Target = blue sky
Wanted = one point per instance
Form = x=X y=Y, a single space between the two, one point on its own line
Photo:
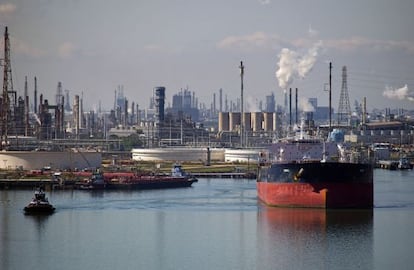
x=93 y=46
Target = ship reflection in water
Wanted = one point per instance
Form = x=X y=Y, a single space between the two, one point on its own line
x=299 y=238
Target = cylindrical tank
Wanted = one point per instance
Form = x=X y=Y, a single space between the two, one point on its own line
x=247 y=121
x=257 y=119
x=234 y=120
x=268 y=121
x=223 y=124
x=337 y=135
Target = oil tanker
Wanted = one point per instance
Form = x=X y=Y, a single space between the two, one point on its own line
x=309 y=172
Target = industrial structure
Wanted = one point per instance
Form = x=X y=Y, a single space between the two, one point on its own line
x=40 y=125
x=344 y=108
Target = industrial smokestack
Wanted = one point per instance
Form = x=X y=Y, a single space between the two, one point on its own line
x=296 y=106
x=221 y=99
x=364 y=111
x=290 y=107
x=26 y=108
x=133 y=122
x=35 y=94
x=41 y=103
x=125 y=112
x=76 y=115
x=81 y=122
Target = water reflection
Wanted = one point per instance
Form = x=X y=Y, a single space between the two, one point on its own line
x=37 y=224
x=315 y=238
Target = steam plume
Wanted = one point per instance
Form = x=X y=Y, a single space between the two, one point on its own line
x=292 y=65
x=305 y=105
x=400 y=93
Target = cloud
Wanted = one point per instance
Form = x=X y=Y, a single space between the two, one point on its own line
x=66 y=50
x=257 y=40
x=19 y=47
x=312 y=32
x=264 y=41
x=264 y=2
x=7 y=9
x=293 y=65
x=399 y=94
x=356 y=43
x=155 y=48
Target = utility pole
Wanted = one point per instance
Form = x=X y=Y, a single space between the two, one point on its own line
x=241 y=67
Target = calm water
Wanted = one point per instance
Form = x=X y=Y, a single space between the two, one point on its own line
x=216 y=224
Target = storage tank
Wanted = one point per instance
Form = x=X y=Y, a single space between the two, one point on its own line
x=257 y=119
x=247 y=121
x=268 y=121
x=223 y=124
x=234 y=121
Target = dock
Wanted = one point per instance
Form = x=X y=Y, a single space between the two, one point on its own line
x=401 y=164
x=47 y=183
x=387 y=164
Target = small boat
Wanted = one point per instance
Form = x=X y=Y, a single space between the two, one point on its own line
x=95 y=182
x=404 y=164
x=39 y=204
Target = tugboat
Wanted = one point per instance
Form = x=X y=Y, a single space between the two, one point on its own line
x=39 y=204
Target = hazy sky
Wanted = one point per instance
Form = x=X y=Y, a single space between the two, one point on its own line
x=93 y=46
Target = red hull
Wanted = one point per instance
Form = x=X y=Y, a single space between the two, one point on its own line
x=316 y=195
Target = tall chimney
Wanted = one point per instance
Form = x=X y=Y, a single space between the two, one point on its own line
x=364 y=111
x=26 y=108
x=290 y=108
x=35 y=94
x=76 y=116
x=296 y=106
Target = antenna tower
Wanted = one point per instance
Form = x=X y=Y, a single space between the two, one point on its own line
x=8 y=99
x=344 y=109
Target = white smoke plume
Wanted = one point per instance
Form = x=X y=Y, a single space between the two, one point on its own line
x=292 y=65
x=400 y=93
x=305 y=105
x=251 y=104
